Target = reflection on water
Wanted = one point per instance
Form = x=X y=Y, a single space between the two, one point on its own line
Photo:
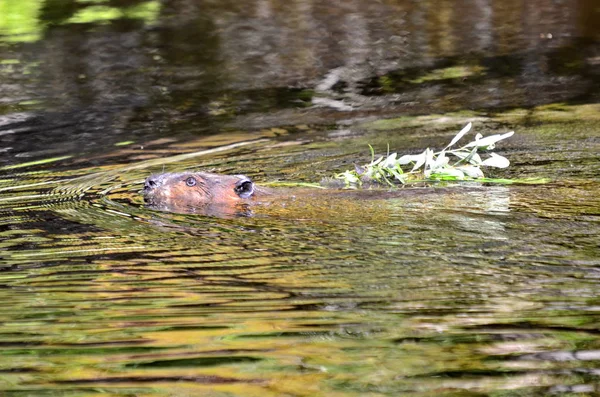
x=445 y=290
x=183 y=68
x=473 y=288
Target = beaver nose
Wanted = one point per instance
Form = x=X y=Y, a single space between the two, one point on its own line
x=153 y=181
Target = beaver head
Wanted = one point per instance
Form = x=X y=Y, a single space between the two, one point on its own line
x=197 y=191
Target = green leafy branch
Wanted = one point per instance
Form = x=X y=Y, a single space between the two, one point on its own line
x=429 y=165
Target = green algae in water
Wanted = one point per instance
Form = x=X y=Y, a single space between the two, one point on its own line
x=124 y=143
x=455 y=72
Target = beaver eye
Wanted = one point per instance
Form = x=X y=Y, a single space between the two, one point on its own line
x=244 y=188
x=190 y=181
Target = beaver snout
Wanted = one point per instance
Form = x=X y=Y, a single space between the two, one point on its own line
x=153 y=182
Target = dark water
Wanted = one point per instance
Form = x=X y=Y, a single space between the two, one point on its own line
x=466 y=290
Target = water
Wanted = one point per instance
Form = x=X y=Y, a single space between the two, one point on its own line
x=460 y=290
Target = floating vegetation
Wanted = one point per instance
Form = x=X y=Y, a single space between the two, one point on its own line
x=431 y=166
x=32 y=163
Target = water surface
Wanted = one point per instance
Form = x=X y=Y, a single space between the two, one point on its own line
x=468 y=289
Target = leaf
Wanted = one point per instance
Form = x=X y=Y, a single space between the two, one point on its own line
x=489 y=141
x=444 y=173
x=390 y=161
x=495 y=160
x=349 y=177
x=376 y=161
x=428 y=157
x=428 y=162
x=440 y=161
x=462 y=133
x=411 y=158
x=461 y=154
x=400 y=177
x=472 y=156
x=471 y=171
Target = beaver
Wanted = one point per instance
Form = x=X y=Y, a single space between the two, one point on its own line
x=201 y=192
x=226 y=196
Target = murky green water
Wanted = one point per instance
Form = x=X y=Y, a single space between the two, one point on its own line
x=479 y=289
x=460 y=290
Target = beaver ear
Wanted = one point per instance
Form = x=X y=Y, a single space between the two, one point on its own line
x=244 y=188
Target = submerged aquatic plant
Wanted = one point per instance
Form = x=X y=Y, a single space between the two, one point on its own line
x=430 y=165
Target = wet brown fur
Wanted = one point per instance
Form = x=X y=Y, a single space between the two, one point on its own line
x=212 y=192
